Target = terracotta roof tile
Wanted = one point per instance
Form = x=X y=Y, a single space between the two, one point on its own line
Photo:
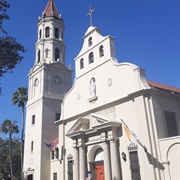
x=163 y=86
x=51 y=10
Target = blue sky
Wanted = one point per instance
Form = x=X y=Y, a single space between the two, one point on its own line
x=147 y=33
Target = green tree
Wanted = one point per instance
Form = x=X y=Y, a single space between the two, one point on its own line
x=10 y=50
x=9 y=127
x=20 y=98
x=5 y=158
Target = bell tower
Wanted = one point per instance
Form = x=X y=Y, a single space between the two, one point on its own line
x=50 y=43
x=49 y=81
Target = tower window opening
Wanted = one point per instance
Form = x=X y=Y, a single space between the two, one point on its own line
x=47 y=33
x=40 y=34
x=56 y=54
x=101 y=51
x=33 y=119
x=52 y=155
x=57 y=33
x=81 y=63
x=90 y=41
x=39 y=55
x=58 y=115
x=47 y=53
x=91 y=58
x=32 y=145
x=55 y=154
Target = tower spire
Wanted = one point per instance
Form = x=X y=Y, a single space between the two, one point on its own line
x=51 y=10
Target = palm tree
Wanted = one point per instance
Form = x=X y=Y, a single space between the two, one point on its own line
x=20 y=98
x=10 y=127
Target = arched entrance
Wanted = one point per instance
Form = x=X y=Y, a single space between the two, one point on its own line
x=99 y=164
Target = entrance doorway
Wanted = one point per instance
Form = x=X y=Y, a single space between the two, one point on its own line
x=99 y=172
x=99 y=164
x=30 y=177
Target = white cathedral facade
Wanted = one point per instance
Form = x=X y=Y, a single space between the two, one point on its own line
x=111 y=124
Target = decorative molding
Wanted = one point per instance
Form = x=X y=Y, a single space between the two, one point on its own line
x=109 y=82
x=94 y=98
x=166 y=162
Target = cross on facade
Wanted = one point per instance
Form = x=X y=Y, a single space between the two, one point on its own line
x=90 y=15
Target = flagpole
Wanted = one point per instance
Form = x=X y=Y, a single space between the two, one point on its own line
x=54 y=154
x=143 y=146
x=57 y=158
x=124 y=123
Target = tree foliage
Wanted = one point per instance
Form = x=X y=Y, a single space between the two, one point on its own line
x=20 y=98
x=4 y=159
x=9 y=54
x=10 y=127
x=10 y=50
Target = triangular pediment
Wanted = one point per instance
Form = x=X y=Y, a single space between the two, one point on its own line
x=99 y=119
x=52 y=65
x=35 y=67
x=79 y=125
x=59 y=65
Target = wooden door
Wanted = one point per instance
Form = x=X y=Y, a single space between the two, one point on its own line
x=100 y=172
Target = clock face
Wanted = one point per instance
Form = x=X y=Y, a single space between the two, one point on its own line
x=57 y=80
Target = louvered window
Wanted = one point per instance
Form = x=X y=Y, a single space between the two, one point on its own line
x=91 y=58
x=57 y=33
x=81 y=63
x=47 y=34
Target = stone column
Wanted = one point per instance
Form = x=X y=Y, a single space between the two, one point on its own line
x=82 y=163
x=107 y=163
x=115 y=164
x=76 y=164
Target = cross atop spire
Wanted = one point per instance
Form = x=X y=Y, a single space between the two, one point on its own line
x=90 y=15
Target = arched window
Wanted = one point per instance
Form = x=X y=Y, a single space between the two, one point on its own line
x=57 y=33
x=47 y=33
x=39 y=55
x=56 y=54
x=40 y=34
x=91 y=58
x=81 y=63
x=57 y=153
x=47 y=53
x=101 y=51
x=99 y=155
x=90 y=41
x=52 y=155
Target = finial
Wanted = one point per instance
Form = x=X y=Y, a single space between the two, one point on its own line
x=90 y=15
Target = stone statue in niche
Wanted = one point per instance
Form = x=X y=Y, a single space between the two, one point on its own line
x=92 y=88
